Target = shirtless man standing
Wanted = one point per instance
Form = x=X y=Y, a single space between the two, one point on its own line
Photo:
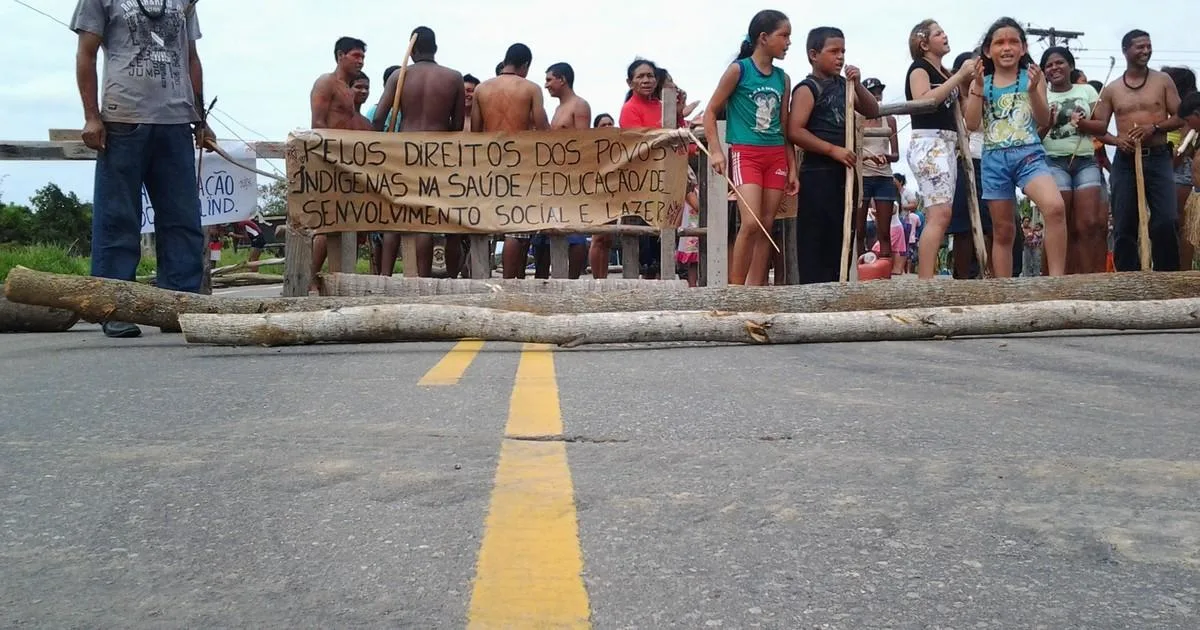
x=432 y=99
x=333 y=107
x=510 y=102
x=1145 y=102
x=573 y=112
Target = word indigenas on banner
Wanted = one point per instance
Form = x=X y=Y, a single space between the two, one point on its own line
x=352 y=181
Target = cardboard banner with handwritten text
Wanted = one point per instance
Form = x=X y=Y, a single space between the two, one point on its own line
x=458 y=182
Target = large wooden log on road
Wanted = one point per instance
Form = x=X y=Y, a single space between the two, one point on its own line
x=352 y=285
x=97 y=299
x=855 y=296
x=100 y=299
x=423 y=322
x=17 y=317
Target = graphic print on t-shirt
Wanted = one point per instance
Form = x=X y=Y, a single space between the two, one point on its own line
x=1010 y=121
x=156 y=39
x=1060 y=122
x=766 y=102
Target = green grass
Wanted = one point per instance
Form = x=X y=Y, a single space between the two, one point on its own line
x=54 y=259
x=51 y=258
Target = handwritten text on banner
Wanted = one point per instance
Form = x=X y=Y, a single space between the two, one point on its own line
x=350 y=181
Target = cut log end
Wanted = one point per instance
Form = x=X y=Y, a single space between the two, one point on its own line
x=16 y=318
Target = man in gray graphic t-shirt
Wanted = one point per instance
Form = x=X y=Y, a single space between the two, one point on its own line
x=142 y=129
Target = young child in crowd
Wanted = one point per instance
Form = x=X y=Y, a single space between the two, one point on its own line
x=754 y=94
x=817 y=124
x=1008 y=101
x=688 y=252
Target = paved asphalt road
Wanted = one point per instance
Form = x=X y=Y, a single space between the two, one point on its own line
x=1045 y=481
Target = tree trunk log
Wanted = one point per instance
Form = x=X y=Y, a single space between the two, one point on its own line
x=100 y=299
x=16 y=317
x=246 y=279
x=862 y=296
x=423 y=322
x=343 y=284
x=219 y=271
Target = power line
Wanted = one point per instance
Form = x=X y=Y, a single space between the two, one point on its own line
x=240 y=124
x=250 y=146
x=37 y=10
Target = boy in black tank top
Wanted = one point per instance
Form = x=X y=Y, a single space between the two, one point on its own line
x=818 y=126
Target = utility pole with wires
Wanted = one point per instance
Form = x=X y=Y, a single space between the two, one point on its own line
x=1054 y=35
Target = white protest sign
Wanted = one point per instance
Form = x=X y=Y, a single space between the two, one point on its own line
x=228 y=193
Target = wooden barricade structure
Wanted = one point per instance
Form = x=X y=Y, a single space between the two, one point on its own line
x=714 y=230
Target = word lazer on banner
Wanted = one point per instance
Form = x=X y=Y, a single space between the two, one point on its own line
x=453 y=182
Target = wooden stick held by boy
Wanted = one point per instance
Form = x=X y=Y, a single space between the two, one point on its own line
x=848 y=195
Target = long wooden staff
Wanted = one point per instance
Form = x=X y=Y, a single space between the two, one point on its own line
x=848 y=215
x=964 y=149
x=753 y=214
x=394 y=113
x=1143 y=211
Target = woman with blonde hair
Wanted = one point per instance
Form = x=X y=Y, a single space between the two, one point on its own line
x=932 y=151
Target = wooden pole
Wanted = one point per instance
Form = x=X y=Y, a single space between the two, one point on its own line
x=560 y=256
x=964 y=151
x=424 y=322
x=667 y=245
x=297 y=267
x=848 y=200
x=716 y=204
x=408 y=243
x=1143 y=210
x=481 y=256
x=394 y=113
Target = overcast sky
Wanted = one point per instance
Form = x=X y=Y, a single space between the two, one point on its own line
x=261 y=56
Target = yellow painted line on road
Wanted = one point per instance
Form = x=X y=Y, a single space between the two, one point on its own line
x=530 y=568
x=450 y=369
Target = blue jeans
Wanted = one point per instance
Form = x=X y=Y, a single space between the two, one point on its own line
x=1159 y=175
x=1006 y=170
x=163 y=158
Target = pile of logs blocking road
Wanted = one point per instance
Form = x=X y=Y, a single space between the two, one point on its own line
x=569 y=313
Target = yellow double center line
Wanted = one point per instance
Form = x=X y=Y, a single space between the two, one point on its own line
x=450 y=369
x=529 y=571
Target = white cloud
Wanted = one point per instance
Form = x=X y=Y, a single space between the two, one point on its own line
x=261 y=56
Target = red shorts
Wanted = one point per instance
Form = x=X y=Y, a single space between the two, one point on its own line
x=762 y=166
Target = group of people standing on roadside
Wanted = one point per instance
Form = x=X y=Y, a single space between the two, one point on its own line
x=437 y=98
x=1034 y=127
x=1038 y=128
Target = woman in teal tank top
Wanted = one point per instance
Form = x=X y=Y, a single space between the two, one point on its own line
x=754 y=94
